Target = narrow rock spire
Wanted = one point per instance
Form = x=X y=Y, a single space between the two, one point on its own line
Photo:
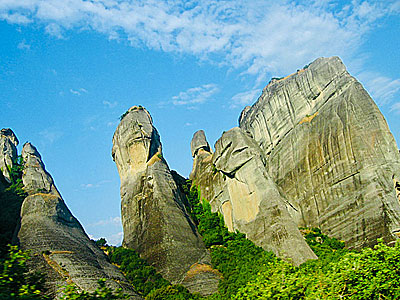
x=154 y=217
x=8 y=151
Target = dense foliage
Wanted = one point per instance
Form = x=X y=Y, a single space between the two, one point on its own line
x=237 y=258
x=15 y=280
x=367 y=274
x=143 y=277
x=71 y=292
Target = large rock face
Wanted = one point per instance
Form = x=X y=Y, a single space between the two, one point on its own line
x=59 y=247
x=235 y=181
x=8 y=151
x=329 y=150
x=313 y=151
x=154 y=217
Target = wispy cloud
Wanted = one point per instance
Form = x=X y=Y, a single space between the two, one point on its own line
x=50 y=135
x=245 y=98
x=382 y=89
x=23 y=45
x=195 y=95
x=78 y=92
x=94 y=185
x=110 y=104
x=109 y=221
x=258 y=36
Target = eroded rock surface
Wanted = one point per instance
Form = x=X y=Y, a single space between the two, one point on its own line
x=154 y=217
x=247 y=197
x=199 y=142
x=8 y=151
x=59 y=246
x=329 y=150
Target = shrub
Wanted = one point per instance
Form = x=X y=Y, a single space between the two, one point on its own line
x=15 y=280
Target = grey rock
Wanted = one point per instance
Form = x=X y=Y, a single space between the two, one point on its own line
x=198 y=142
x=59 y=246
x=8 y=151
x=248 y=198
x=154 y=218
x=329 y=150
x=35 y=177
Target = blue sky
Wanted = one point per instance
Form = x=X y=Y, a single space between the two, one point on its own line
x=70 y=68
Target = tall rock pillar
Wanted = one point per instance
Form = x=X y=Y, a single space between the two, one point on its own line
x=154 y=218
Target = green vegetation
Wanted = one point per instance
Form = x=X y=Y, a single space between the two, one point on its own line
x=143 y=277
x=15 y=281
x=101 y=242
x=71 y=292
x=237 y=258
x=11 y=198
x=123 y=115
x=338 y=274
x=248 y=272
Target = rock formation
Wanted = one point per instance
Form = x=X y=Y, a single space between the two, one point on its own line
x=316 y=146
x=8 y=151
x=238 y=185
x=330 y=151
x=153 y=213
x=59 y=246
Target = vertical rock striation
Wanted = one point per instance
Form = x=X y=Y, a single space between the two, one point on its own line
x=239 y=187
x=154 y=217
x=313 y=151
x=8 y=151
x=59 y=246
x=329 y=150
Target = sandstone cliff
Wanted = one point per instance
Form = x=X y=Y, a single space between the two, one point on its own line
x=59 y=246
x=154 y=217
x=330 y=152
x=316 y=150
x=238 y=186
x=8 y=151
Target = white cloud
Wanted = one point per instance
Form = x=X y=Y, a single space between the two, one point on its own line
x=78 y=92
x=395 y=108
x=50 y=135
x=258 y=36
x=245 y=98
x=110 y=104
x=23 y=45
x=94 y=185
x=382 y=89
x=109 y=221
x=75 y=92
x=115 y=239
x=195 y=95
